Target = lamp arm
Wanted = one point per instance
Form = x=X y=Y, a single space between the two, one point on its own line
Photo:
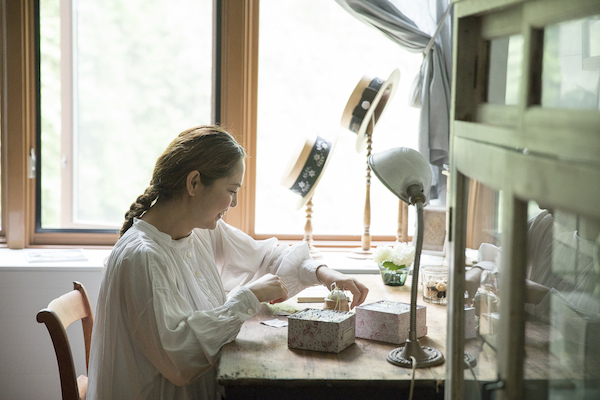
x=412 y=333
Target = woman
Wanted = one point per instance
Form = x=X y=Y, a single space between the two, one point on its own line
x=180 y=282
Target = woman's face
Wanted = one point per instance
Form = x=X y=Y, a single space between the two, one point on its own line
x=213 y=201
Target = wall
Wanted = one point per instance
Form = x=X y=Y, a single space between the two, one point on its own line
x=28 y=368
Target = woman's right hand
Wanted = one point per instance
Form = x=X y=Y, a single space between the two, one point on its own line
x=269 y=288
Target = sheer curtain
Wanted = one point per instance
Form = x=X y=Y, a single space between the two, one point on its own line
x=420 y=26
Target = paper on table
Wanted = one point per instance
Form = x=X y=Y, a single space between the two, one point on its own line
x=277 y=323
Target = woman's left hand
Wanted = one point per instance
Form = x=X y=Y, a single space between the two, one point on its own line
x=327 y=277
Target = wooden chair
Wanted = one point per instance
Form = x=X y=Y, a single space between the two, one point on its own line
x=60 y=313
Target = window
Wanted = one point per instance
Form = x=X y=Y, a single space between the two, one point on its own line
x=118 y=80
x=505 y=70
x=303 y=89
x=97 y=109
x=570 y=77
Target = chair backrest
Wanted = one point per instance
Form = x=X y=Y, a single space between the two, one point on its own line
x=60 y=313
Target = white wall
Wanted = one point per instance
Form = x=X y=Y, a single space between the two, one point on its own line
x=28 y=368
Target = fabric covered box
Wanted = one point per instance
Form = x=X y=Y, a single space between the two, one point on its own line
x=388 y=321
x=321 y=330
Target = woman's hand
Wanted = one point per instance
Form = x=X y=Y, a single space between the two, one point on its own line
x=269 y=288
x=327 y=277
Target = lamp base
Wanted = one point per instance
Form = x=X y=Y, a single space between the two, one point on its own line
x=425 y=356
x=360 y=254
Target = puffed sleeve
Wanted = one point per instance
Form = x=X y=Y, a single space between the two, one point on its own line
x=181 y=343
x=241 y=260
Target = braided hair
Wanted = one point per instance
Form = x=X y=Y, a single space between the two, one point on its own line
x=209 y=150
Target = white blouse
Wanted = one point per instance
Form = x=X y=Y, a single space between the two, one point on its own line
x=166 y=307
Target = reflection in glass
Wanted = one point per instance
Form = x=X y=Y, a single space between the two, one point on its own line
x=482 y=303
x=563 y=303
x=571 y=65
x=591 y=40
x=504 y=74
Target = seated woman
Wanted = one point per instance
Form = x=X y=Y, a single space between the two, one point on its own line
x=560 y=263
x=539 y=258
x=180 y=282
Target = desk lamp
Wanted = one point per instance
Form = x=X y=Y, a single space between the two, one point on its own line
x=406 y=173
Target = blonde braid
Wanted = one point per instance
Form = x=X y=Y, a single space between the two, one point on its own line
x=140 y=206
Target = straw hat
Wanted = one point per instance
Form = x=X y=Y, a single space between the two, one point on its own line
x=367 y=102
x=306 y=167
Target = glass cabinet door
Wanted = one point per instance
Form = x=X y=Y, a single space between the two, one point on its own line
x=524 y=300
x=560 y=296
x=562 y=346
x=482 y=302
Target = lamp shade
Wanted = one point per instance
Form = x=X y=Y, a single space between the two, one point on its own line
x=401 y=167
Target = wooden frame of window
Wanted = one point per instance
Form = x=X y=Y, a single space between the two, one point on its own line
x=239 y=47
x=18 y=119
x=3 y=168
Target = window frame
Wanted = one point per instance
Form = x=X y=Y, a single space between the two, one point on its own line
x=18 y=101
x=3 y=168
x=235 y=73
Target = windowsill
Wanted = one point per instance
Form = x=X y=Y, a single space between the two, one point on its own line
x=18 y=259
x=334 y=258
x=343 y=262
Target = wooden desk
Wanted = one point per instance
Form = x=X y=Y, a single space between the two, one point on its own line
x=258 y=364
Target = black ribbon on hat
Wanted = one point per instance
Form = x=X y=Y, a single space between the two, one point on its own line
x=312 y=167
x=368 y=95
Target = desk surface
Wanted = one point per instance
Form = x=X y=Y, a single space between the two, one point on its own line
x=260 y=354
x=259 y=357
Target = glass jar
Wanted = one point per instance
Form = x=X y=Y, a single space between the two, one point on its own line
x=435 y=284
x=393 y=277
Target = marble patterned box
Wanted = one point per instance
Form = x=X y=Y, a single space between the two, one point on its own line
x=321 y=330
x=388 y=321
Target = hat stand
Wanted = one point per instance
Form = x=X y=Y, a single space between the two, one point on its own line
x=402 y=233
x=364 y=252
x=314 y=252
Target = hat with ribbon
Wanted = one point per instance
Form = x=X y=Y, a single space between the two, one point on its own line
x=366 y=104
x=306 y=167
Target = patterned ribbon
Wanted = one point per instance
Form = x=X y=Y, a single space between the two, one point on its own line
x=313 y=167
x=366 y=100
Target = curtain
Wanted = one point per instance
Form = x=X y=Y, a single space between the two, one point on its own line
x=413 y=29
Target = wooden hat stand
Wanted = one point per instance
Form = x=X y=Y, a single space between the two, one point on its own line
x=364 y=108
x=302 y=176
